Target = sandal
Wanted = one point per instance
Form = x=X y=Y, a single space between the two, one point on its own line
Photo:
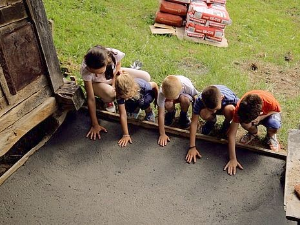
x=247 y=138
x=273 y=143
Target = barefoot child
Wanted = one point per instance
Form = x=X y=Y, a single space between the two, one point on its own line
x=174 y=89
x=98 y=70
x=134 y=94
x=214 y=100
x=255 y=108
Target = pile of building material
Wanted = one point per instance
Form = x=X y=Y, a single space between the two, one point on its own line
x=202 y=21
x=207 y=21
x=172 y=13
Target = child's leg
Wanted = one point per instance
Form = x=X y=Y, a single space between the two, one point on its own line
x=138 y=73
x=228 y=113
x=273 y=124
x=185 y=101
x=104 y=91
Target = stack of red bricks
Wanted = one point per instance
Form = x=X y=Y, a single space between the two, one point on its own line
x=172 y=12
x=207 y=19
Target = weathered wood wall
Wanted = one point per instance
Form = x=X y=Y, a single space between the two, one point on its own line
x=26 y=92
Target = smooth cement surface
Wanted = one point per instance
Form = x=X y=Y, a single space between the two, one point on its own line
x=73 y=180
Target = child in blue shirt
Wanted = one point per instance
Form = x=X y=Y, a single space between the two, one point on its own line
x=214 y=100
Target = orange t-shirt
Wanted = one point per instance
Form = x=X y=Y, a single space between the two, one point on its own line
x=269 y=103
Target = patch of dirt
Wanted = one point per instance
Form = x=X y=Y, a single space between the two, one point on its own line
x=192 y=66
x=285 y=80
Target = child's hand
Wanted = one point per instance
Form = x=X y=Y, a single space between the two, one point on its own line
x=192 y=155
x=231 y=166
x=163 y=140
x=95 y=132
x=124 y=141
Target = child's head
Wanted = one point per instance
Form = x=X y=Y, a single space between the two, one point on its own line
x=212 y=98
x=171 y=87
x=96 y=57
x=250 y=108
x=126 y=87
x=99 y=61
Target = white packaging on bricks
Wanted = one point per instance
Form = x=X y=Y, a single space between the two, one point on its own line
x=215 y=13
x=208 y=31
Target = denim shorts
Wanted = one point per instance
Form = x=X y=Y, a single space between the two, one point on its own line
x=273 y=121
x=143 y=103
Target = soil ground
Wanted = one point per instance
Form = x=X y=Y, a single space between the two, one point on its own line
x=73 y=180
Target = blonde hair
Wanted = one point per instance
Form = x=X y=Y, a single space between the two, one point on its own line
x=126 y=86
x=171 y=87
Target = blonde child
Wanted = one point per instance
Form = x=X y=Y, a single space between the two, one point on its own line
x=214 y=100
x=134 y=94
x=98 y=70
x=175 y=89
x=255 y=108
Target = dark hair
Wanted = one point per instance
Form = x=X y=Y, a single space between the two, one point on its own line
x=211 y=96
x=98 y=57
x=250 y=108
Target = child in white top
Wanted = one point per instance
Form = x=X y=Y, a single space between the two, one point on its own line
x=174 y=89
x=98 y=70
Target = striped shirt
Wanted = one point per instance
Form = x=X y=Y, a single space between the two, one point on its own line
x=230 y=98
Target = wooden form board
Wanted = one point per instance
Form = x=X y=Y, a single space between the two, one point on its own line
x=292 y=176
x=186 y=133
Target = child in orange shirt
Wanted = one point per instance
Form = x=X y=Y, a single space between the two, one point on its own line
x=255 y=108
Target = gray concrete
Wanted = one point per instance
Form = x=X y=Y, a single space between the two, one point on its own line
x=73 y=180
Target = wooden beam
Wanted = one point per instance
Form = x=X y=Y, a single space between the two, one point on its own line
x=186 y=133
x=11 y=135
x=59 y=119
x=24 y=108
x=70 y=96
x=292 y=176
x=39 y=18
x=12 y=13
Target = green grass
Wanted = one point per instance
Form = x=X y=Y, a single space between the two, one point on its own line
x=269 y=28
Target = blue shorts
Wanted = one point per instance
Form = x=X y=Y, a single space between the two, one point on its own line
x=273 y=121
x=143 y=103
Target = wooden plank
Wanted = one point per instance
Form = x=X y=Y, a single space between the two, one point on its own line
x=20 y=54
x=8 y=2
x=12 y=13
x=10 y=136
x=29 y=90
x=70 y=96
x=38 y=15
x=59 y=118
x=23 y=108
x=292 y=176
x=186 y=133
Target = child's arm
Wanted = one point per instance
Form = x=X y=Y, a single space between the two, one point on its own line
x=123 y=119
x=117 y=71
x=163 y=138
x=261 y=117
x=155 y=90
x=233 y=163
x=95 y=129
x=193 y=152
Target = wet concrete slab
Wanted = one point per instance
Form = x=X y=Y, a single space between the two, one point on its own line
x=73 y=180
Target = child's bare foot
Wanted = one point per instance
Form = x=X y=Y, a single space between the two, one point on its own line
x=297 y=190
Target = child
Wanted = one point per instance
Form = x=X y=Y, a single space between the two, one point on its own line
x=214 y=100
x=134 y=94
x=98 y=70
x=255 y=107
x=174 y=89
